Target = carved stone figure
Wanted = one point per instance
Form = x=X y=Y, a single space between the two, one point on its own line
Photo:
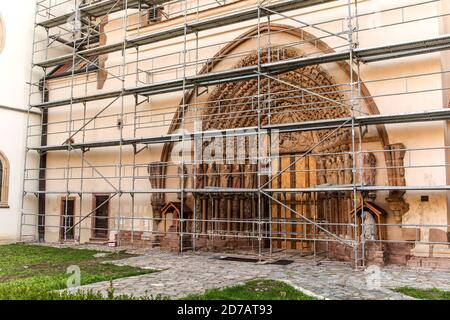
x=199 y=176
x=332 y=171
x=321 y=173
x=236 y=176
x=212 y=176
x=225 y=174
x=369 y=228
x=348 y=164
x=329 y=170
x=369 y=169
x=341 y=170
x=335 y=172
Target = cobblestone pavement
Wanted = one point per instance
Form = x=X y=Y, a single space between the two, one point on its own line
x=181 y=275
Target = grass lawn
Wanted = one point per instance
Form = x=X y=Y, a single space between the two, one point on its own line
x=33 y=272
x=425 y=294
x=254 y=290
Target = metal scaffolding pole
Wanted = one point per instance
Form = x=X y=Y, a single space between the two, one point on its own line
x=365 y=55
x=298 y=219
x=25 y=166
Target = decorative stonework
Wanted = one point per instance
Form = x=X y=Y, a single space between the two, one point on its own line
x=237 y=104
x=397 y=205
x=395 y=162
x=288 y=104
x=369 y=169
x=396 y=176
x=302 y=35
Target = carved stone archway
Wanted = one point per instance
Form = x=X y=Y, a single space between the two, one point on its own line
x=311 y=77
x=395 y=176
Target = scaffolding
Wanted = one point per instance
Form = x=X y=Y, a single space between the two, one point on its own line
x=202 y=195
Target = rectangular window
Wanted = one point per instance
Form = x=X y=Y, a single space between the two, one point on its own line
x=67 y=219
x=101 y=217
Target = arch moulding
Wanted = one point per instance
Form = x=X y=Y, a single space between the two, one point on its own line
x=394 y=152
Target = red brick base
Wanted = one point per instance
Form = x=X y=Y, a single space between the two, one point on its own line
x=375 y=253
x=137 y=238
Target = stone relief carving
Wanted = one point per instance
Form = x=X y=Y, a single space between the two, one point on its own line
x=369 y=230
x=395 y=160
x=396 y=175
x=237 y=99
x=369 y=169
x=249 y=176
x=348 y=164
x=237 y=105
x=295 y=142
x=236 y=176
x=199 y=180
x=341 y=171
x=212 y=175
x=225 y=175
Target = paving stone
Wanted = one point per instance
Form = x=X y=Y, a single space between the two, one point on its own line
x=196 y=272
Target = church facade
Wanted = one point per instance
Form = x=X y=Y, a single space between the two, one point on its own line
x=246 y=153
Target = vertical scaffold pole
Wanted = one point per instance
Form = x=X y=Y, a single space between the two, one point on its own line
x=23 y=214
x=258 y=142
x=121 y=122
x=182 y=193
x=354 y=153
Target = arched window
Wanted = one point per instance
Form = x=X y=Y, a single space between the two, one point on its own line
x=4 y=181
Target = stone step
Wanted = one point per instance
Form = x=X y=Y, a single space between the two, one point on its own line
x=97 y=241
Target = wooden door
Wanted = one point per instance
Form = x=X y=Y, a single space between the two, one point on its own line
x=289 y=228
x=101 y=217
x=67 y=231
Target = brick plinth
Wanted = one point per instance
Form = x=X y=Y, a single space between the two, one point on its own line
x=137 y=238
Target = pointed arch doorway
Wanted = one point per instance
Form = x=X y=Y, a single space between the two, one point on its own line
x=232 y=105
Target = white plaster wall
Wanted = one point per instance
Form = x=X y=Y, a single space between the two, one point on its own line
x=15 y=60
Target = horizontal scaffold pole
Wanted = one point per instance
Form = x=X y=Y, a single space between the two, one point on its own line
x=99 y=9
x=422 y=116
x=319 y=188
x=371 y=54
x=192 y=27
